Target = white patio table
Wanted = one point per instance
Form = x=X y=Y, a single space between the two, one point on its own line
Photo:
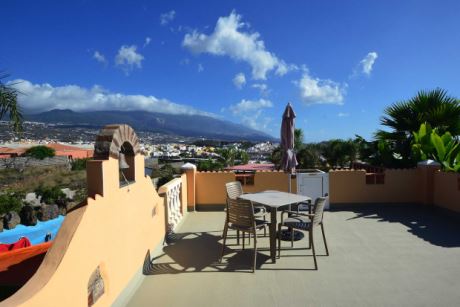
x=274 y=200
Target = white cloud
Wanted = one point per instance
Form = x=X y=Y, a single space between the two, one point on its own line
x=128 y=58
x=229 y=39
x=147 y=42
x=250 y=113
x=340 y=114
x=167 y=17
x=245 y=106
x=257 y=122
x=262 y=87
x=319 y=91
x=240 y=80
x=44 y=97
x=99 y=57
x=367 y=63
x=200 y=67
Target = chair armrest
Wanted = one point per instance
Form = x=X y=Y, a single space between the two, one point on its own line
x=305 y=203
x=295 y=213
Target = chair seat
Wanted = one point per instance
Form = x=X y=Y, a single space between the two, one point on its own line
x=259 y=224
x=299 y=222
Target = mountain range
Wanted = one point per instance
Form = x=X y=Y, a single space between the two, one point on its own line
x=179 y=124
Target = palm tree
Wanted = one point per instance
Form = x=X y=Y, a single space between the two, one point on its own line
x=9 y=105
x=434 y=107
x=298 y=139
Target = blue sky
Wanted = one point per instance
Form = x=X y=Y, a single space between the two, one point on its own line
x=340 y=63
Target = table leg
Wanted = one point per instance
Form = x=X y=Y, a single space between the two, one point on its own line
x=273 y=234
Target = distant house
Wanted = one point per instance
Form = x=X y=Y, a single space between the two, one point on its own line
x=252 y=167
x=72 y=152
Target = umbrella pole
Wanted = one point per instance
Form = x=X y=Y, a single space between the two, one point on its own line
x=289 y=184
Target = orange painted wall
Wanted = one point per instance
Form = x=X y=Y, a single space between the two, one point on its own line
x=113 y=231
x=349 y=186
x=447 y=190
x=210 y=186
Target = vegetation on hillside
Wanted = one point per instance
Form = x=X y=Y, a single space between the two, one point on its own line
x=51 y=195
x=165 y=173
x=31 y=178
x=10 y=201
x=40 y=152
x=79 y=164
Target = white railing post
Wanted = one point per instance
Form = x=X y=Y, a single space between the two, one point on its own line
x=173 y=203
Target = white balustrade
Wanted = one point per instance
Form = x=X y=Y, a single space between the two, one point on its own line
x=173 y=203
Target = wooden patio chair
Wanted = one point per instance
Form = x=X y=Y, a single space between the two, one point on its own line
x=240 y=217
x=235 y=190
x=305 y=222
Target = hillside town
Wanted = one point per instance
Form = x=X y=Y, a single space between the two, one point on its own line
x=78 y=143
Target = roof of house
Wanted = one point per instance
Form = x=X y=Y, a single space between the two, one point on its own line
x=252 y=167
x=59 y=148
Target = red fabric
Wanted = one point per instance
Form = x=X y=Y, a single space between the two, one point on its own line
x=21 y=243
x=17 y=266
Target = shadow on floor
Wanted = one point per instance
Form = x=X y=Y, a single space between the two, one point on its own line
x=434 y=225
x=199 y=252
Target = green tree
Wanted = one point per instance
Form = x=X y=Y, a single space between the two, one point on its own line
x=228 y=155
x=9 y=105
x=79 y=164
x=51 y=195
x=10 y=201
x=298 y=139
x=231 y=156
x=309 y=157
x=428 y=144
x=340 y=152
x=435 y=107
x=166 y=174
x=40 y=152
x=210 y=165
x=241 y=157
x=276 y=156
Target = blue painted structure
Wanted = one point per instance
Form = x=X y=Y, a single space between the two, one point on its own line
x=36 y=234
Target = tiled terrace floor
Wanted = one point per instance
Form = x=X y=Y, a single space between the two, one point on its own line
x=380 y=256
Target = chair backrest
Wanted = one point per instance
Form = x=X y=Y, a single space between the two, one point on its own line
x=320 y=202
x=240 y=213
x=234 y=189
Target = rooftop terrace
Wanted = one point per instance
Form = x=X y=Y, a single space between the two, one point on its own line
x=109 y=249
x=380 y=255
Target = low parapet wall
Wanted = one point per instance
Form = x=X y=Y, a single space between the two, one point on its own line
x=210 y=186
x=351 y=187
x=447 y=190
x=424 y=185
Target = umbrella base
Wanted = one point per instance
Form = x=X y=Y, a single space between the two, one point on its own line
x=286 y=235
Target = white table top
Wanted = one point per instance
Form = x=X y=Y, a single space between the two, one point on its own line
x=275 y=198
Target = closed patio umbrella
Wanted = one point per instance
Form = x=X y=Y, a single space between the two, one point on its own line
x=289 y=160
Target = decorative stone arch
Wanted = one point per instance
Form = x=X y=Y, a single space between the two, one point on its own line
x=110 y=139
x=113 y=140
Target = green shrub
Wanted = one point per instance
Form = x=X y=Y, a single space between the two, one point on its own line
x=52 y=195
x=79 y=164
x=210 y=165
x=166 y=174
x=40 y=152
x=10 y=201
x=428 y=144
